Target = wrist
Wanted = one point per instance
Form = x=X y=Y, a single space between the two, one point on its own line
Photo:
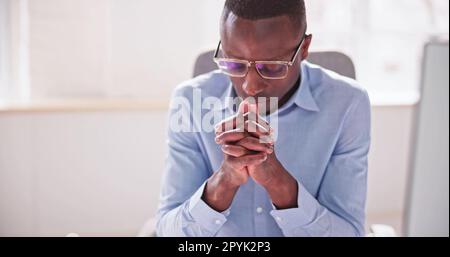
x=219 y=191
x=283 y=191
x=226 y=181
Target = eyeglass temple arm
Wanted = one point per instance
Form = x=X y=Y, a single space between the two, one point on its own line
x=298 y=49
x=217 y=50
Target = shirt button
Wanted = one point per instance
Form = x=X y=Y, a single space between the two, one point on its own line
x=217 y=222
x=278 y=218
x=259 y=210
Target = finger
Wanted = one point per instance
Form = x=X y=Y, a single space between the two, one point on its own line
x=243 y=107
x=229 y=123
x=248 y=106
x=268 y=139
x=258 y=119
x=255 y=129
x=253 y=107
x=254 y=144
x=230 y=136
x=249 y=160
x=235 y=150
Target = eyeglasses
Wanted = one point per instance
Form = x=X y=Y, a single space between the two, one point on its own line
x=266 y=69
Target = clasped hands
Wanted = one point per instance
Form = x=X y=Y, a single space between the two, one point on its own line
x=247 y=142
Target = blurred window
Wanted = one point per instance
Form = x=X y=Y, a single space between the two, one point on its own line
x=136 y=49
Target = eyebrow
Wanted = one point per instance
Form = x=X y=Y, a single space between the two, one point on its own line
x=276 y=58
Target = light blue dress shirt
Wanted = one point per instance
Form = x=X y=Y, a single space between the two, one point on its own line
x=323 y=141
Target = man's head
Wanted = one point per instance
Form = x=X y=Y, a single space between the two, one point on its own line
x=264 y=30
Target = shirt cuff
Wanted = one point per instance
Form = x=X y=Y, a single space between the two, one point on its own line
x=303 y=215
x=204 y=215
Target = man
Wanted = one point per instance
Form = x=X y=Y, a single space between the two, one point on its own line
x=311 y=180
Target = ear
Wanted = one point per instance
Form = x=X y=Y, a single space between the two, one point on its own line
x=305 y=46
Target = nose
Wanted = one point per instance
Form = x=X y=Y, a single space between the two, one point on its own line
x=253 y=83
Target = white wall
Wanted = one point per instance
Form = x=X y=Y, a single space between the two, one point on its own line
x=91 y=173
x=98 y=173
x=389 y=164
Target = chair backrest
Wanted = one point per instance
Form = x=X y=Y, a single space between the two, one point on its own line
x=335 y=61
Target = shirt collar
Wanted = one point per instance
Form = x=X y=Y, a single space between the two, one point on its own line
x=227 y=98
x=303 y=97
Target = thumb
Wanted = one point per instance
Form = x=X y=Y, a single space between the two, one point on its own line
x=252 y=107
x=245 y=107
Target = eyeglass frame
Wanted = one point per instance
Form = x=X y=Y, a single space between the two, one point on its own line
x=250 y=63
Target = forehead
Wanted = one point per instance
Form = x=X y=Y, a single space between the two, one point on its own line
x=261 y=39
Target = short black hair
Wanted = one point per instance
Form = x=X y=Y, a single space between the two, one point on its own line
x=262 y=9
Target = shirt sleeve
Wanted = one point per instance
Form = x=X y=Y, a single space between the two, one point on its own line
x=181 y=211
x=338 y=208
